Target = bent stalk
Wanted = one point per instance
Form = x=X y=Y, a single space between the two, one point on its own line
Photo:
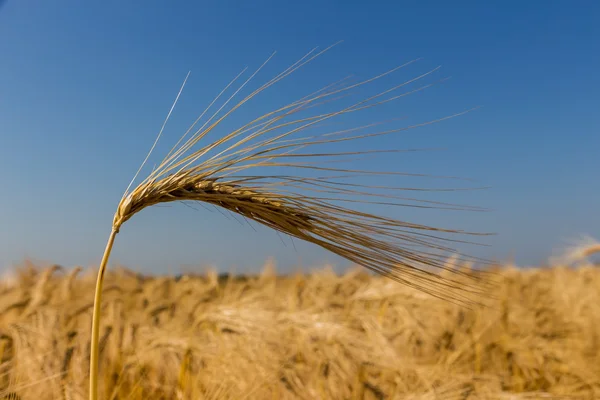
x=94 y=345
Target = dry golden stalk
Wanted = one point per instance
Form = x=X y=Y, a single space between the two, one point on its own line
x=212 y=174
x=579 y=252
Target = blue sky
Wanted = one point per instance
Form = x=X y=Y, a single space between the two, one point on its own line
x=84 y=87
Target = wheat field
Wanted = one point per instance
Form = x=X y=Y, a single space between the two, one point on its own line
x=317 y=335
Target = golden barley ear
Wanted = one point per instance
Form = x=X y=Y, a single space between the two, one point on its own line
x=312 y=201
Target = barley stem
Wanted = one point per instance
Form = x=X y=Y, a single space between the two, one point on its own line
x=94 y=348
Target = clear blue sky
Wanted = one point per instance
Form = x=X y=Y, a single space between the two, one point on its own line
x=84 y=87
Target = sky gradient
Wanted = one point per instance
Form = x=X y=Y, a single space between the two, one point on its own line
x=85 y=86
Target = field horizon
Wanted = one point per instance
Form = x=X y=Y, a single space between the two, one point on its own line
x=317 y=335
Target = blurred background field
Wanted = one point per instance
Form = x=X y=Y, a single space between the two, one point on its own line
x=306 y=336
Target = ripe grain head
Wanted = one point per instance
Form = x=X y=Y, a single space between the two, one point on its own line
x=316 y=209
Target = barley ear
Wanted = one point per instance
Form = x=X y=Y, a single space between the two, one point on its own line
x=299 y=204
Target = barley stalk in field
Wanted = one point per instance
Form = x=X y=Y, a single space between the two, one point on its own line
x=310 y=203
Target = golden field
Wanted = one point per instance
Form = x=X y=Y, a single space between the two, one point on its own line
x=304 y=336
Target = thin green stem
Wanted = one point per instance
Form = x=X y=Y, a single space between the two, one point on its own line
x=94 y=345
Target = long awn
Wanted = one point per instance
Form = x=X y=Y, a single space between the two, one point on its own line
x=308 y=204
